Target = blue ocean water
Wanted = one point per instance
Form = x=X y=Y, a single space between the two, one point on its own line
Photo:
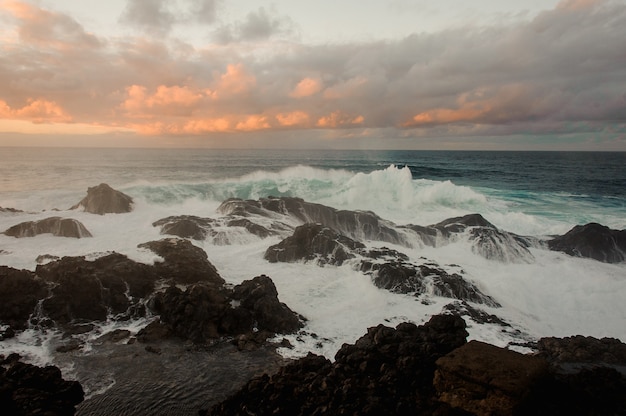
x=550 y=189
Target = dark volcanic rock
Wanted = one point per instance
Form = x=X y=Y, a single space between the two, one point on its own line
x=185 y=226
x=594 y=241
x=360 y=225
x=260 y=297
x=396 y=274
x=103 y=199
x=486 y=380
x=20 y=290
x=204 y=312
x=580 y=349
x=387 y=371
x=11 y=210
x=57 y=226
x=183 y=262
x=90 y=290
x=29 y=390
x=313 y=242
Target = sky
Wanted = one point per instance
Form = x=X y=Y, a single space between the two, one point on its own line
x=355 y=74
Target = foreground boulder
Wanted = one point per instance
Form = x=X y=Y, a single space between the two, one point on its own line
x=20 y=291
x=57 y=226
x=103 y=199
x=203 y=313
x=92 y=290
x=594 y=241
x=29 y=390
x=387 y=371
x=486 y=380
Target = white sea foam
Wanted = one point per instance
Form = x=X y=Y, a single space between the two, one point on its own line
x=553 y=295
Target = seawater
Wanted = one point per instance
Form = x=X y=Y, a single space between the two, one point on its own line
x=529 y=193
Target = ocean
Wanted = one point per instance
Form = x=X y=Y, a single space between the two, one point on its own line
x=536 y=194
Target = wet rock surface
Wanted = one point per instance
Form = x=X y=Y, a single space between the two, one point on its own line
x=57 y=226
x=20 y=291
x=387 y=371
x=103 y=199
x=202 y=313
x=183 y=262
x=314 y=242
x=27 y=390
x=593 y=241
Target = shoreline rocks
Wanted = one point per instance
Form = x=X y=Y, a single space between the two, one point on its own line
x=103 y=199
x=57 y=226
x=593 y=241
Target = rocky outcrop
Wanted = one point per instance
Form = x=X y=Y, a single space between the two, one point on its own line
x=11 y=210
x=387 y=371
x=57 y=226
x=185 y=226
x=199 y=228
x=594 y=241
x=103 y=199
x=431 y=370
x=359 y=225
x=91 y=290
x=204 y=313
x=20 y=291
x=581 y=349
x=314 y=242
x=483 y=379
x=29 y=390
x=397 y=274
x=183 y=262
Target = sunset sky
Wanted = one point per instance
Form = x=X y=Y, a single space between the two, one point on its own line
x=412 y=74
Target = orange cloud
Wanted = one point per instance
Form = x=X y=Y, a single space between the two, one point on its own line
x=36 y=111
x=339 y=119
x=173 y=100
x=252 y=123
x=292 y=119
x=236 y=80
x=306 y=88
x=576 y=4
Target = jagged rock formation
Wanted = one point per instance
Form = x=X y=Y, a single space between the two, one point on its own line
x=103 y=199
x=594 y=241
x=203 y=312
x=387 y=371
x=72 y=290
x=388 y=268
x=199 y=228
x=183 y=262
x=431 y=370
x=314 y=242
x=20 y=291
x=359 y=225
x=57 y=226
x=29 y=390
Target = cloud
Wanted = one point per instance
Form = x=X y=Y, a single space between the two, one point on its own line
x=258 y=25
x=36 y=110
x=559 y=72
x=306 y=87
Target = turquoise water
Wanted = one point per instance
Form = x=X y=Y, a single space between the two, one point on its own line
x=521 y=191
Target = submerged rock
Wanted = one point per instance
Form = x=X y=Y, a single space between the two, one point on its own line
x=103 y=199
x=57 y=226
x=11 y=210
x=594 y=241
x=29 y=390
